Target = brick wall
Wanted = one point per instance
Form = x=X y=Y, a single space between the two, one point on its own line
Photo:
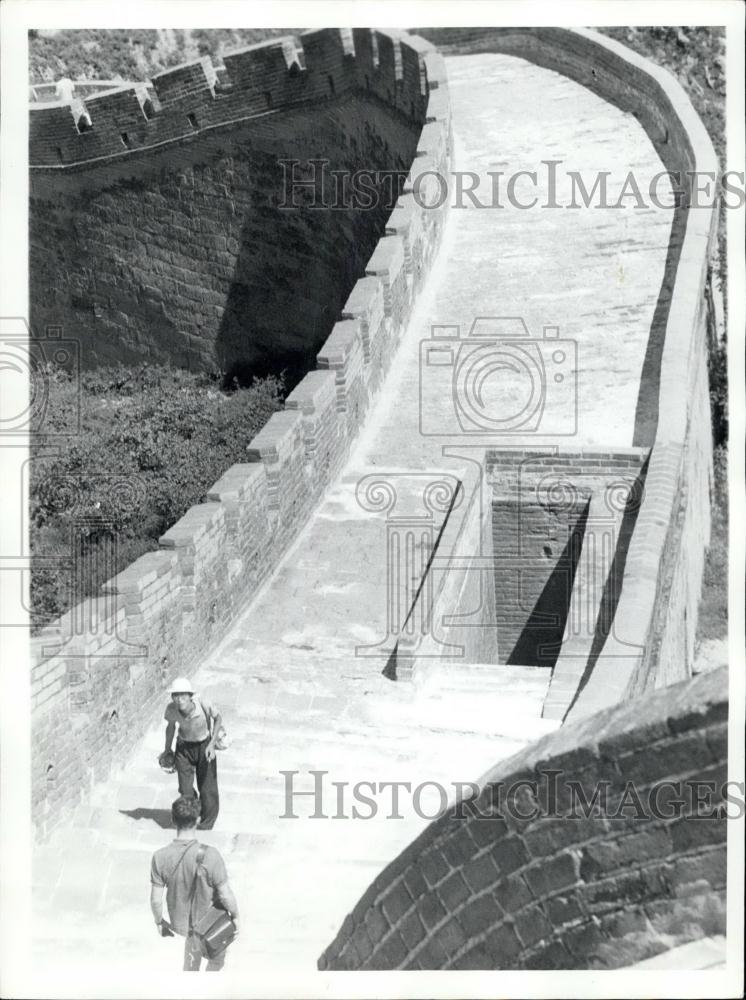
x=99 y=672
x=528 y=567
x=256 y=80
x=158 y=235
x=553 y=891
x=561 y=524
x=482 y=888
x=663 y=571
x=181 y=255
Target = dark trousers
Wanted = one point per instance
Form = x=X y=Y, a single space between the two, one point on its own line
x=190 y=757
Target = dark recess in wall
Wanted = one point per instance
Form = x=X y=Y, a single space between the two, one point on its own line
x=540 y=640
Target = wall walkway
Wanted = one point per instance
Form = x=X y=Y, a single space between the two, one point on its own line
x=295 y=694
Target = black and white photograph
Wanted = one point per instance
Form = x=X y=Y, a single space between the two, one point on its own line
x=371 y=550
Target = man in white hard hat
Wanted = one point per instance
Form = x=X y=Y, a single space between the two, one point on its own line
x=199 y=724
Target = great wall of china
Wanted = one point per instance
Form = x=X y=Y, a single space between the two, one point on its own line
x=258 y=589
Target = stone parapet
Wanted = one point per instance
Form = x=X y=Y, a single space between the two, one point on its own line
x=517 y=879
x=665 y=561
x=260 y=79
x=106 y=663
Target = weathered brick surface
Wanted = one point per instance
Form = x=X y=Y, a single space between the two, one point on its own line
x=242 y=491
x=387 y=264
x=556 y=516
x=270 y=75
x=563 y=892
x=666 y=555
x=175 y=231
x=325 y=432
x=181 y=239
x=177 y=212
x=343 y=354
x=408 y=222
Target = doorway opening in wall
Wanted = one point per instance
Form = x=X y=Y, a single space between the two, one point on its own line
x=537 y=549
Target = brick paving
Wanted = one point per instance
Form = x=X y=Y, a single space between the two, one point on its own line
x=294 y=695
x=296 y=878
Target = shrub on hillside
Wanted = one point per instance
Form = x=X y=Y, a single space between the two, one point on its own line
x=150 y=442
x=132 y=53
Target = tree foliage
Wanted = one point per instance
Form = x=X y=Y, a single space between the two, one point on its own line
x=140 y=446
x=132 y=54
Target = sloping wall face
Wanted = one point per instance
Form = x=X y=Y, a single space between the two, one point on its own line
x=185 y=255
x=587 y=850
x=175 y=227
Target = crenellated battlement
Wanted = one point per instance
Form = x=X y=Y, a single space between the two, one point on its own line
x=602 y=543
x=46 y=93
x=263 y=78
x=166 y=607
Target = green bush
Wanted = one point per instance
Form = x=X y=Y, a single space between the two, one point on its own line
x=150 y=442
x=133 y=54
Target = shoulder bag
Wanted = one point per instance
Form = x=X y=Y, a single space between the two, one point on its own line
x=215 y=929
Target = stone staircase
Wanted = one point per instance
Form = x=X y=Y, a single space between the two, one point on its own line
x=295 y=878
x=286 y=707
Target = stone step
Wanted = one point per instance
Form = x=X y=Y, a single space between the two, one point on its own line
x=488 y=674
x=387 y=726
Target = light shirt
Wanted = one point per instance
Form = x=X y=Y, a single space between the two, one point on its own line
x=193 y=728
x=167 y=868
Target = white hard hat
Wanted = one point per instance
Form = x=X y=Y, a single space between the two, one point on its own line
x=181 y=685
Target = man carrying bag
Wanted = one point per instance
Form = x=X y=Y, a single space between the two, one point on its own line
x=201 y=904
x=200 y=734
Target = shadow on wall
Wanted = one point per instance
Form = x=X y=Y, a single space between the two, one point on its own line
x=195 y=262
x=297 y=265
x=613 y=586
x=540 y=641
x=286 y=292
x=646 y=413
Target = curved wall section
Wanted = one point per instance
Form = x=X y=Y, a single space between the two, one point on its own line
x=658 y=605
x=523 y=877
x=177 y=226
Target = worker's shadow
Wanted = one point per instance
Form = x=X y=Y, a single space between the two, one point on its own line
x=160 y=816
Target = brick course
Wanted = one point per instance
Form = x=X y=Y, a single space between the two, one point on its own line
x=106 y=662
x=564 y=892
